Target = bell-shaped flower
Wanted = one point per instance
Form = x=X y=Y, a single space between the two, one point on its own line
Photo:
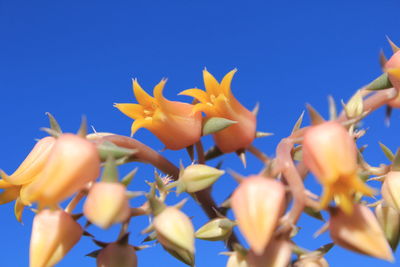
x=392 y=68
x=359 y=232
x=391 y=189
x=218 y=101
x=54 y=233
x=176 y=233
x=107 y=204
x=72 y=163
x=117 y=255
x=331 y=154
x=172 y=122
x=257 y=204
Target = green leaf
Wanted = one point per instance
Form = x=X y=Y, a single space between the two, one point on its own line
x=396 y=162
x=53 y=123
x=110 y=172
x=107 y=148
x=216 y=124
x=313 y=213
x=380 y=83
x=388 y=153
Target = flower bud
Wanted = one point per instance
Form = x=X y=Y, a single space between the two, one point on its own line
x=197 y=177
x=392 y=67
x=391 y=189
x=237 y=259
x=354 y=107
x=276 y=254
x=359 y=232
x=216 y=230
x=257 y=203
x=107 y=204
x=117 y=255
x=389 y=219
x=331 y=154
x=54 y=233
x=175 y=232
x=33 y=163
x=73 y=162
x=313 y=259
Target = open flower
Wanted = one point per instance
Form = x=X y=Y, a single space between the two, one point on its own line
x=218 y=101
x=172 y=122
x=331 y=154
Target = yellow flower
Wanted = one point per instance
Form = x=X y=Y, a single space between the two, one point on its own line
x=331 y=154
x=218 y=101
x=171 y=121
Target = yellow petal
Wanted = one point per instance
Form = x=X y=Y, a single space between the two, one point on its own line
x=141 y=123
x=358 y=185
x=9 y=194
x=346 y=203
x=134 y=111
x=141 y=96
x=158 y=90
x=226 y=83
x=3 y=183
x=18 y=209
x=200 y=95
x=204 y=108
x=326 y=197
x=211 y=84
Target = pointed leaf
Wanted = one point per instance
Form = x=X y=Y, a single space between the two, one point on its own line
x=129 y=177
x=216 y=124
x=315 y=117
x=298 y=123
x=388 y=153
x=110 y=172
x=332 y=108
x=380 y=83
x=396 y=161
x=53 y=123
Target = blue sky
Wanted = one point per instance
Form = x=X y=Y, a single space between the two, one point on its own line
x=78 y=57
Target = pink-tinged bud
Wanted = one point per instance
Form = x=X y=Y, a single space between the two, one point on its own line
x=218 y=101
x=73 y=162
x=389 y=219
x=391 y=189
x=176 y=233
x=117 y=255
x=392 y=67
x=237 y=259
x=359 y=232
x=276 y=254
x=107 y=204
x=33 y=163
x=54 y=233
x=257 y=203
x=331 y=154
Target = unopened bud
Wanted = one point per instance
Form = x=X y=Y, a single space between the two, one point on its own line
x=54 y=233
x=117 y=255
x=257 y=203
x=391 y=189
x=354 y=107
x=237 y=259
x=389 y=219
x=312 y=259
x=277 y=253
x=216 y=230
x=107 y=204
x=359 y=232
x=197 y=177
x=176 y=233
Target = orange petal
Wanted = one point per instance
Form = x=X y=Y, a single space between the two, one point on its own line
x=346 y=203
x=9 y=194
x=226 y=82
x=211 y=84
x=209 y=110
x=141 y=96
x=358 y=185
x=200 y=95
x=134 y=111
x=18 y=209
x=3 y=183
x=326 y=197
x=141 y=123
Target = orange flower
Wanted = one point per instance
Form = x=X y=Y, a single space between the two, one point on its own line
x=331 y=154
x=171 y=121
x=218 y=101
x=392 y=67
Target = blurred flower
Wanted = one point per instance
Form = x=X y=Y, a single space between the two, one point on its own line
x=117 y=255
x=392 y=67
x=257 y=204
x=72 y=163
x=54 y=233
x=176 y=233
x=237 y=259
x=331 y=154
x=218 y=101
x=107 y=204
x=216 y=230
x=197 y=177
x=359 y=232
x=312 y=259
x=172 y=122
x=389 y=219
x=391 y=189
x=276 y=254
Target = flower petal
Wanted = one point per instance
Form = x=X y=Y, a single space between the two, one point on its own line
x=225 y=85
x=141 y=96
x=141 y=123
x=200 y=95
x=9 y=194
x=211 y=84
x=134 y=111
x=18 y=209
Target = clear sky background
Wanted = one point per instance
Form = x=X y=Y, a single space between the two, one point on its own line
x=78 y=57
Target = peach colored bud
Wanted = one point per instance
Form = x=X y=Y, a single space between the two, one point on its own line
x=276 y=254
x=216 y=229
x=313 y=259
x=73 y=162
x=258 y=203
x=218 y=101
x=391 y=189
x=237 y=259
x=54 y=233
x=392 y=67
x=197 y=177
x=331 y=154
x=33 y=163
x=359 y=232
x=389 y=219
x=117 y=255
x=107 y=204
x=176 y=233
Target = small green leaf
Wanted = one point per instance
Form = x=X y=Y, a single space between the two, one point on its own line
x=380 y=83
x=388 y=153
x=128 y=178
x=216 y=124
x=53 y=123
x=314 y=213
x=107 y=148
x=325 y=248
x=315 y=117
x=82 y=132
x=110 y=172
x=298 y=123
x=396 y=162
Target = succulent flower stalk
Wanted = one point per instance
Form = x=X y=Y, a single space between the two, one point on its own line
x=257 y=204
x=172 y=122
x=331 y=154
x=218 y=101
